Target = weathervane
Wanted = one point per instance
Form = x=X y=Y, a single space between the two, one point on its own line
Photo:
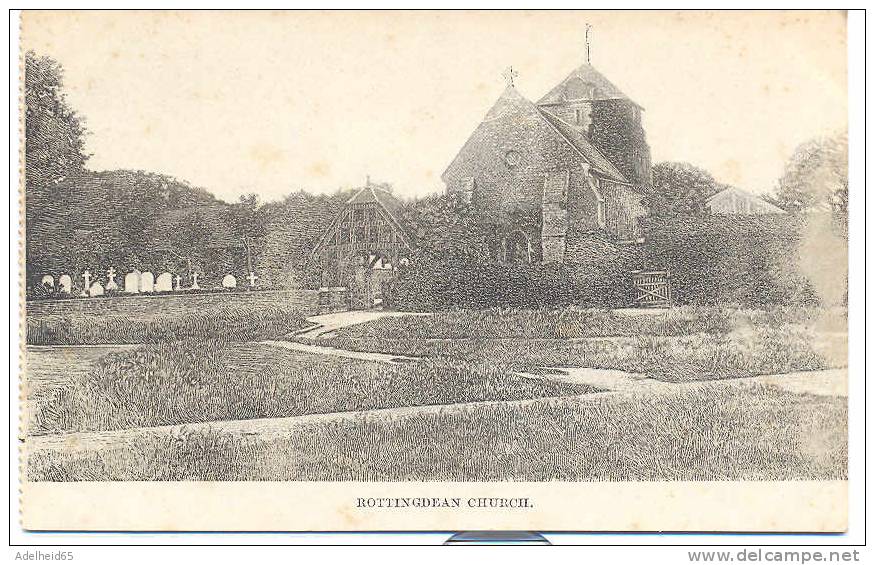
x=588 y=27
x=509 y=74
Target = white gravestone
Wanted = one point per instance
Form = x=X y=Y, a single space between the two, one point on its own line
x=194 y=285
x=132 y=282
x=147 y=282
x=49 y=281
x=96 y=290
x=87 y=276
x=229 y=282
x=66 y=284
x=252 y=278
x=178 y=286
x=164 y=283
x=111 y=285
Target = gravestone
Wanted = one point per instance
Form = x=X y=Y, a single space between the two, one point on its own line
x=194 y=285
x=96 y=290
x=66 y=284
x=132 y=282
x=229 y=282
x=87 y=287
x=252 y=278
x=178 y=286
x=147 y=282
x=111 y=285
x=49 y=281
x=164 y=283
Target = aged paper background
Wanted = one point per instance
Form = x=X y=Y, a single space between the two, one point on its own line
x=708 y=38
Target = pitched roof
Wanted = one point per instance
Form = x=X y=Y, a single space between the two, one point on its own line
x=370 y=193
x=378 y=194
x=577 y=140
x=511 y=99
x=604 y=89
x=760 y=205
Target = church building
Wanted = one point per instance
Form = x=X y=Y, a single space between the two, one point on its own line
x=551 y=177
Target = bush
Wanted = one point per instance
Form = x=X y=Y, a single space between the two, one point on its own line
x=439 y=285
x=744 y=260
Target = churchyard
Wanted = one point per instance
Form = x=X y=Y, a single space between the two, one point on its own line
x=681 y=394
x=136 y=282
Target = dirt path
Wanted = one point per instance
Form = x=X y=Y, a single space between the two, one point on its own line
x=268 y=428
x=323 y=350
x=327 y=324
x=831 y=382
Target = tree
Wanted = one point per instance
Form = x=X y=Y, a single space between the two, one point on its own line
x=54 y=132
x=680 y=189
x=53 y=158
x=250 y=224
x=816 y=178
x=189 y=239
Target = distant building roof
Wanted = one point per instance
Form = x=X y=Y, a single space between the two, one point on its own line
x=733 y=200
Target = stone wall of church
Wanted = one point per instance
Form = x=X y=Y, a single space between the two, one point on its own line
x=509 y=157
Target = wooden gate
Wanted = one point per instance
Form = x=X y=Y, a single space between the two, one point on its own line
x=652 y=289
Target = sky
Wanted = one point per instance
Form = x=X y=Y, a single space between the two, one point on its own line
x=272 y=102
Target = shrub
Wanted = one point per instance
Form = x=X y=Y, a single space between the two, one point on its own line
x=435 y=286
x=743 y=260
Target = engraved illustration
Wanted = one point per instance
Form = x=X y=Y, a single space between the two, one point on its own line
x=557 y=305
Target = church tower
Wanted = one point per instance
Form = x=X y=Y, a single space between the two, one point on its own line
x=609 y=119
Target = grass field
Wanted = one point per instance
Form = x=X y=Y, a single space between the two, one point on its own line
x=209 y=380
x=710 y=434
x=681 y=345
x=203 y=372
x=230 y=323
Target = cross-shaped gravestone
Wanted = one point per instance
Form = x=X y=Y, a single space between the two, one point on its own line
x=110 y=274
x=87 y=276
x=194 y=277
x=252 y=278
x=178 y=278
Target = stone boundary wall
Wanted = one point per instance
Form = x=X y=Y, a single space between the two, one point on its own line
x=305 y=301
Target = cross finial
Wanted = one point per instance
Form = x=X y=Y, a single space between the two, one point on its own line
x=509 y=74
x=588 y=28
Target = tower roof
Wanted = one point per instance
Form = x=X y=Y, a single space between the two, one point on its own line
x=604 y=89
